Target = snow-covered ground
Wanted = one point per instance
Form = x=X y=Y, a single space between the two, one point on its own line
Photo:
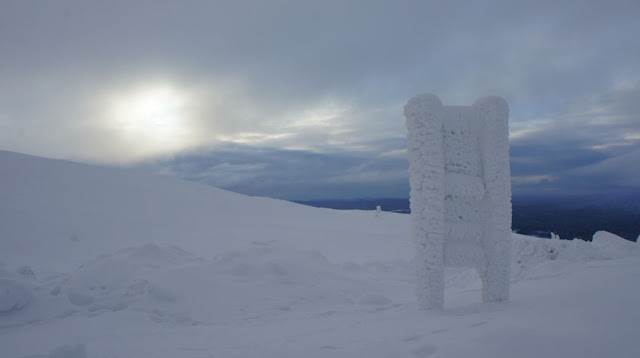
x=112 y=263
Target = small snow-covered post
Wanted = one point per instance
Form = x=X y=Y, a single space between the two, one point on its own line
x=460 y=193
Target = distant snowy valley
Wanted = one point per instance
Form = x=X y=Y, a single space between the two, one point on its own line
x=98 y=262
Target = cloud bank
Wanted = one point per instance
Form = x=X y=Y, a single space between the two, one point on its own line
x=285 y=80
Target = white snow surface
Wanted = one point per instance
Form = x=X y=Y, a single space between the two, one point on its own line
x=99 y=262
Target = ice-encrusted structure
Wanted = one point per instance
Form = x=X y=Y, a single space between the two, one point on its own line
x=460 y=193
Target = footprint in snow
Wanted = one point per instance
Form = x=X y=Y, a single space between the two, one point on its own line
x=425 y=351
x=375 y=300
x=412 y=338
x=478 y=324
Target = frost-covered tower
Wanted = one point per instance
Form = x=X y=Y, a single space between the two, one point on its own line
x=460 y=193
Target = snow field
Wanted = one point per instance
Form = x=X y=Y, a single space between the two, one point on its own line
x=163 y=268
x=292 y=302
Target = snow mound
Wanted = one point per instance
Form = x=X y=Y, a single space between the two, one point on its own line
x=112 y=282
x=528 y=252
x=16 y=290
x=72 y=212
x=13 y=296
x=613 y=245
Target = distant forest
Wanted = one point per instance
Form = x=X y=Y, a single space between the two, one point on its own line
x=569 y=218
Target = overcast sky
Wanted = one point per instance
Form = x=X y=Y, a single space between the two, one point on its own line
x=303 y=99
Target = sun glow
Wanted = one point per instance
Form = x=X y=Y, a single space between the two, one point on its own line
x=153 y=117
x=154 y=113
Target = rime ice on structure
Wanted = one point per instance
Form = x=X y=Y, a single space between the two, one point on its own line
x=460 y=193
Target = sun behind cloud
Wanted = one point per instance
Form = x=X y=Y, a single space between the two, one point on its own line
x=154 y=113
x=152 y=119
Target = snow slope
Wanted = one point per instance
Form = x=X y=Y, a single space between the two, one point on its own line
x=102 y=262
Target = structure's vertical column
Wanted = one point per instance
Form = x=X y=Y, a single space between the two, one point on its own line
x=494 y=144
x=426 y=175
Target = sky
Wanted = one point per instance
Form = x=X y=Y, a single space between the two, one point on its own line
x=303 y=100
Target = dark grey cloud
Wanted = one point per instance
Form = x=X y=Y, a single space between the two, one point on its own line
x=327 y=78
x=292 y=174
x=593 y=148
